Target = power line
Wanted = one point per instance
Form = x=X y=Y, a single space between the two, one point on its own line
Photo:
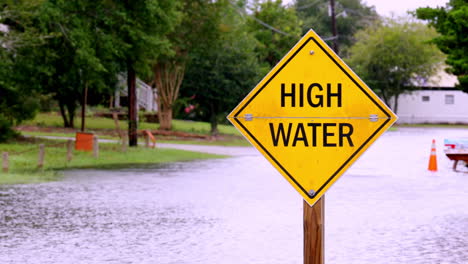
x=271 y=27
x=242 y=13
x=308 y=5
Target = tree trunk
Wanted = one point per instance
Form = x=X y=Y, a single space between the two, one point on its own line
x=83 y=107
x=213 y=121
x=71 y=117
x=71 y=107
x=165 y=118
x=63 y=114
x=333 y=26
x=132 y=107
x=67 y=107
x=395 y=103
x=385 y=97
x=214 y=126
x=168 y=77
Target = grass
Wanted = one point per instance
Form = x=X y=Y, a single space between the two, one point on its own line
x=100 y=123
x=232 y=142
x=202 y=127
x=54 y=119
x=241 y=142
x=51 y=124
x=23 y=156
x=70 y=134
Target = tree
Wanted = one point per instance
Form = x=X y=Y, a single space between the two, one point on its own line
x=71 y=53
x=90 y=42
x=222 y=70
x=17 y=101
x=393 y=56
x=276 y=28
x=141 y=28
x=451 y=23
x=351 y=16
x=199 y=22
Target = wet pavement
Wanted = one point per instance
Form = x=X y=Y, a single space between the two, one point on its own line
x=386 y=209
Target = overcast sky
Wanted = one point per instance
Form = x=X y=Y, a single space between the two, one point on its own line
x=397 y=7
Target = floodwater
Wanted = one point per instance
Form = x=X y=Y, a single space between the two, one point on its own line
x=386 y=209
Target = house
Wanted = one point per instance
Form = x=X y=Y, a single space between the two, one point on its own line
x=3 y=28
x=436 y=102
x=146 y=96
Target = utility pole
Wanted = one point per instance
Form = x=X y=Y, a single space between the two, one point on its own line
x=333 y=25
x=132 y=106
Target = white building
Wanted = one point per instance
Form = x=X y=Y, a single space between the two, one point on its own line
x=146 y=96
x=438 y=101
x=3 y=28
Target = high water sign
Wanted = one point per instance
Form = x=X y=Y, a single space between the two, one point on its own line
x=311 y=117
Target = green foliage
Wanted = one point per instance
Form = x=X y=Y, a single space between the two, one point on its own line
x=17 y=101
x=67 y=47
x=23 y=167
x=392 y=57
x=276 y=29
x=351 y=16
x=15 y=107
x=6 y=132
x=141 y=27
x=221 y=73
x=198 y=18
x=69 y=52
x=140 y=30
x=452 y=24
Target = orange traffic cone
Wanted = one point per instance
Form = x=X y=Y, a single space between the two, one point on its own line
x=433 y=157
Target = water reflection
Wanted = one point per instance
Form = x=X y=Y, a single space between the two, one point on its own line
x=240 y=210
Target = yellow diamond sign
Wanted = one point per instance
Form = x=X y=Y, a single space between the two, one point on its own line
x=311 y=117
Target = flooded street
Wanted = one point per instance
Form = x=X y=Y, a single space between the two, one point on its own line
x=386 y=209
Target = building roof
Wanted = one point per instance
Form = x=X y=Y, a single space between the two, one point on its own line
x=441 y=79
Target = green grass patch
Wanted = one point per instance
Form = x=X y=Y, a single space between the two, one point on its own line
x=100 y=123
x=92 y=123
x=29 y=177
x=23 y=157
x=235 y=142
x=240 y=142
x=202 y=127
x=61 y=134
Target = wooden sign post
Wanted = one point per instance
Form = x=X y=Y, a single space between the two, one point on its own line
x=314 y=232
x=5 y=162
x=69 y=150
x=40 y=163
x=95 y=147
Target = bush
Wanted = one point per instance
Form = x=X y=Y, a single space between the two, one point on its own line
x=6 y=132
x=15 y=107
